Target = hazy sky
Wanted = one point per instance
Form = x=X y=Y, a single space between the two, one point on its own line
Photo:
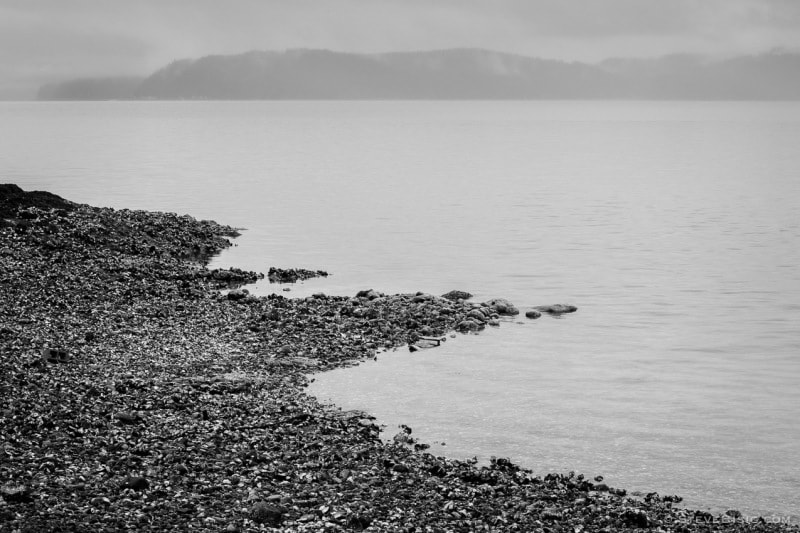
x=51 y=40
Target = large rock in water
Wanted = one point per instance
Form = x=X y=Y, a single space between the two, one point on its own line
x=557 y=309
x=457 y=295
x=502 y=306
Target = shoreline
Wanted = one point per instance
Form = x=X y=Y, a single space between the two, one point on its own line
x=175 y=405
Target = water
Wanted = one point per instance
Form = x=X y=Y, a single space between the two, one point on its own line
x=674 y=226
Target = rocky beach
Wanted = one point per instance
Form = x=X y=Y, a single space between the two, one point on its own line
x=142 y=391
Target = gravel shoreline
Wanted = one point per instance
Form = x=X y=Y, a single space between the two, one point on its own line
x=137 y=394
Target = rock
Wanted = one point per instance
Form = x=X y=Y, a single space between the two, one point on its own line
x=54 y=355
x=267 y=514
x=238 y=294
x=100 y=501
x=302 y=362
x=425 y=343
x=400 y=468
x=469 y=325
x=13 y=198
x=285 y=350
x=293 y=275
x=359 y=522
x=477 y=314
x=502 y=307
x=403 y=438
x=494 y=322
x=556 y=309
x=127 y=418
x=551 y=513
x=457 y=295
x=369 y=294
x=16 y=493
x=533 y=314
x=636 y=518
x=136 y=483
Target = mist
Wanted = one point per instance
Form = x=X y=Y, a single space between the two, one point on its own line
x=50 y=41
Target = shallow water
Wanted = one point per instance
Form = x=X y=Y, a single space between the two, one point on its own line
x=675 y=227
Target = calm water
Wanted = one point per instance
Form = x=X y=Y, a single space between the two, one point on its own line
x=675 y=227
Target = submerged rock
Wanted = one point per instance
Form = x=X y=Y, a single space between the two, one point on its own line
x=556 y=309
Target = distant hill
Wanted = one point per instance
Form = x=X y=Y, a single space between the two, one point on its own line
x=447 y=74
x=120 y=88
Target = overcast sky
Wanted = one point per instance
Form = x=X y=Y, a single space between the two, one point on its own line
x=52 y=40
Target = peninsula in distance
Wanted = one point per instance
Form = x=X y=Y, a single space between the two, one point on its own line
x=445 y=74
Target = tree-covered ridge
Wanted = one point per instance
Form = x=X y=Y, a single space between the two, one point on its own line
x=447 y=74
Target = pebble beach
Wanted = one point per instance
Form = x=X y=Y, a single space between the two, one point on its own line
x=142 y=391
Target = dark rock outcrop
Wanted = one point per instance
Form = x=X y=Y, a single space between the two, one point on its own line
x=13 y=200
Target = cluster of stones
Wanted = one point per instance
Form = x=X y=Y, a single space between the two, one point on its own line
x=136 y=395
x=293 y=275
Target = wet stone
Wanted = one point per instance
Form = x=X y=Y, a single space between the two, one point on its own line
x=556 y=309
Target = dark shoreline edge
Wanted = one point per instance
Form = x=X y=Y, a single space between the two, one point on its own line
x=177 y=406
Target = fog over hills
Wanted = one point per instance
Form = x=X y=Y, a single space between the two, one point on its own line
x=446 y=74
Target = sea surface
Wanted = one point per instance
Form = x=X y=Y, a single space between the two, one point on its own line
x=673 y=226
